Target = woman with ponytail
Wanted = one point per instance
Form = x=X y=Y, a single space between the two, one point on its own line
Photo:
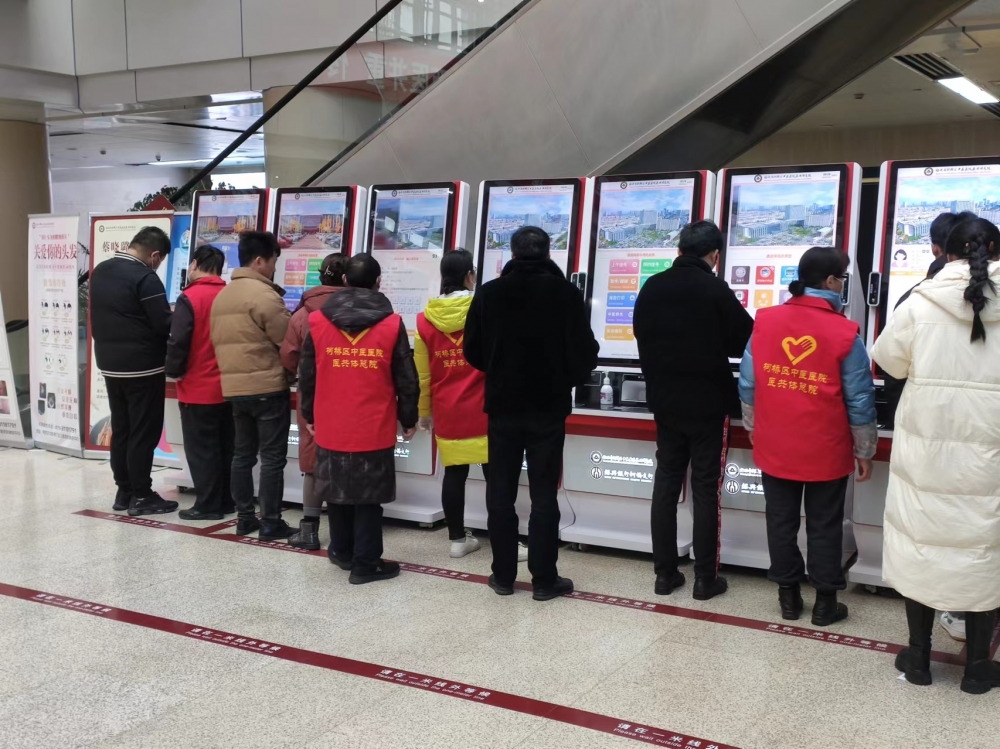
x=809 y=405
x=452 y=393
x=942 y=513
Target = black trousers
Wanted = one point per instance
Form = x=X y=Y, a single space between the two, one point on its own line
x=453 y=498
x=541 y=437
x=209 y=436
x=824 y=503
x=261 y=427
x=356 y=535
x=136 y=427
x=703 y=446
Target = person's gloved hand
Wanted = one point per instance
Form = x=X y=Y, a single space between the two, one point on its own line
x=426 y=423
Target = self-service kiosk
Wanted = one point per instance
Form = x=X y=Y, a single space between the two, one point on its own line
x=610 y=454
x=911 y=195
x=769 y=217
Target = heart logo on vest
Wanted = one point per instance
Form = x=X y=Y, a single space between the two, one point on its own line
x=798 y=349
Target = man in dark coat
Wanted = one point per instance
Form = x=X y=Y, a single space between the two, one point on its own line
x=130 y=321
x=357 y=379
x=530 y=333
x=688 y=324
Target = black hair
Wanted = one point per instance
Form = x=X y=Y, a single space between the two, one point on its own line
x=816 y=265
x=455 y=268
x=209 y=259
x=942 y=226
x=530 y=243
x=151 y=239
x=254 y=244
x=699 y=238
x=978 y=241
x=331 y=272
x=362 y=271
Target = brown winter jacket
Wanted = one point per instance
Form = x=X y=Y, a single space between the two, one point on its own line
x=291 y=349
x=249 y=321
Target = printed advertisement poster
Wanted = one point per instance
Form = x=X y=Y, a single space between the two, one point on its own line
x=549 y=207
x=408 y=241
x=11 y=433
x=924 y=193
x=180 y=246
x=219 y=219
x=310 y=226
x=773 y=220
x=111 y=234
x=637 y=230
x=53 y=332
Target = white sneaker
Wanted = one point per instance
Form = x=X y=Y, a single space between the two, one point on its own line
x=522 y=552
x=954 y=627
x=467 y=545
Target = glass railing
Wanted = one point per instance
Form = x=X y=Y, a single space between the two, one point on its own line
x=386 y=63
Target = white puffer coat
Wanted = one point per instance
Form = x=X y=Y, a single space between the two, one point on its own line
x=942 y=512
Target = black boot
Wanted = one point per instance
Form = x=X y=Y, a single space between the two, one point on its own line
x=668 y=582
x=308 y=535
x=790 y=599
x=122 y=500
x=982 y=673
x=915 y=661
x=826 y=610
x=706 y=588
x=154 y=504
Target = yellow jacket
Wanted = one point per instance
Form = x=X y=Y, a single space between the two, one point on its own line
x=447 y=314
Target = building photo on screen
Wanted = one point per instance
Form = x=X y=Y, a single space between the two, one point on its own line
x=407 y=221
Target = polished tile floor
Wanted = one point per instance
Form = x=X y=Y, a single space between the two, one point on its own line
x=72 y=680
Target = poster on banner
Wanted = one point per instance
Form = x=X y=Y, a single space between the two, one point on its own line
x=108 y=236
x=53 y=332
x=11 y=432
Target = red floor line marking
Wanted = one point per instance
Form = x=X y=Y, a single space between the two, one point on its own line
x=219 y=527
x=459 y=690
x=815 y=635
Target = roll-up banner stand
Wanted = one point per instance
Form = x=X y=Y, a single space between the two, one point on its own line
x=54 y=333
x=108 y=235
x=11 y=431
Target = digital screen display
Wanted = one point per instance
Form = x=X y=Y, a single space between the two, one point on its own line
x=637 y=227
x=921 y=194
x=410 y=229
x=309 y=226
x=508 y=207
x=220 y=216
x=772 y=219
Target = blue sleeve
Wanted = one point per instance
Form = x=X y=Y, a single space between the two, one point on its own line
x=858 y=387
x=747 y=382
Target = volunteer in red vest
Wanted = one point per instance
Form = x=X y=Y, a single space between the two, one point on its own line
x=809 y=405
x=452 y=394
x=357 y=380
x=206 y=418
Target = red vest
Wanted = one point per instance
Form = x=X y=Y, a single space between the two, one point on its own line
x=201 y=384
x=458 y=391
x=801 y=431
x=355 y=403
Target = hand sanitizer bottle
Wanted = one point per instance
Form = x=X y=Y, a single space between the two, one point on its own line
x=607 y=394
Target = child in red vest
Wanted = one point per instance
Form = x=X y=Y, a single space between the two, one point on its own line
x=356 y=381
x=206 y=417
x=809 y=405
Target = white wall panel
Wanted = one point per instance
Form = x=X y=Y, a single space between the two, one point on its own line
x=271 y=27
x=772 y=19
x=283 y=70
x=98 y=92
x=375 y=164
x=38 y=35
x=178 y=32
x=202 y=79
x=99 y=36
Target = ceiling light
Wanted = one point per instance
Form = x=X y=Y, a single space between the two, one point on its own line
x=964 y=87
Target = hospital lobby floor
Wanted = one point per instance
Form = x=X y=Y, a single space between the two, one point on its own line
x=159 y=633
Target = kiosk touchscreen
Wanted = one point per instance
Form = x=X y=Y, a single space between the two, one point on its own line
x=911 y=195
x=557 y=206
x=311 y=223
x=770 y=216
x=636 y=223
x=218 y=217
x=409 y=228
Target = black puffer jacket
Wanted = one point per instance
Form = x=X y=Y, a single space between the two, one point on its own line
x=530 y=333
x=353 y=310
